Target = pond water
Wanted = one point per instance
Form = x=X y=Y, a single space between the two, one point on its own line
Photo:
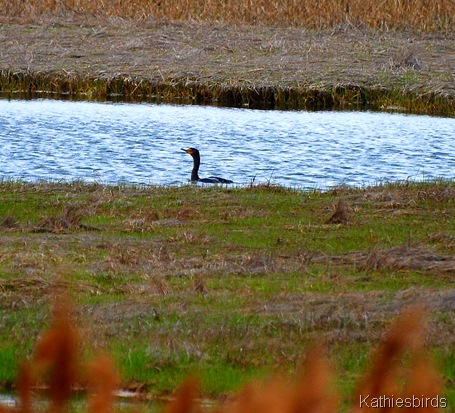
x=124 y=400
x=115 y=143
x=7 y=399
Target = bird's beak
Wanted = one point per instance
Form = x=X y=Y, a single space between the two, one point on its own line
x=186 y=150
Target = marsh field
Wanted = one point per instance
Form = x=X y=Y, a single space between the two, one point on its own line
x=392 y=55
x=229 y=284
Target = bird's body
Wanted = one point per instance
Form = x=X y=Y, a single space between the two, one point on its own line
x=194 y=173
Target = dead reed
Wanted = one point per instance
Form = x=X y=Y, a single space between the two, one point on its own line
x=26 y=84
x=340 y=214
x=401 y=373
x=388 y=14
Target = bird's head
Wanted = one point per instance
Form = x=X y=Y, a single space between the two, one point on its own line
x=191 y=151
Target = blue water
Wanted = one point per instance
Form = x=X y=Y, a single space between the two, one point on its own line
x=140 y=144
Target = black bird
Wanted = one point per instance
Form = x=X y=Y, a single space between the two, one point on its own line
x=194 y=173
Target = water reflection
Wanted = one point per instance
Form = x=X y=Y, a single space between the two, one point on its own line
x=140 y=144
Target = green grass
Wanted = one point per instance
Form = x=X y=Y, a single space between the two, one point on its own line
x=8 y=363
x=232 y=284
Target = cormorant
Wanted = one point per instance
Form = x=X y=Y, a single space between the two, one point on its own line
x=194 y=173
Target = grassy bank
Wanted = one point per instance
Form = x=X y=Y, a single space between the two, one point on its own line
x=231 y=283
x=29 y=85
x=267 y=55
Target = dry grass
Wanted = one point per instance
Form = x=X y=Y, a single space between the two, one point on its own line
x=340 y=214
x=400 y=368
x=404 y=257
x=387 y=14
x=49 y=52
x=70 y=219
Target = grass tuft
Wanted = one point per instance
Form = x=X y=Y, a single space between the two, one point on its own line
x=340 y=214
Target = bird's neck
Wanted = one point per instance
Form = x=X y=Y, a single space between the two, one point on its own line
x=194 y=172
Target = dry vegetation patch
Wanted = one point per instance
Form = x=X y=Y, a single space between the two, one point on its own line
x=354 y=316
x=69 y=220
x=340 y=214
x=421 y=15
x=270 y=60
x=397 y=259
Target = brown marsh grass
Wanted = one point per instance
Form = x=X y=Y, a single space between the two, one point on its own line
x=258 y=55
x=387 y=14
x=400 y=369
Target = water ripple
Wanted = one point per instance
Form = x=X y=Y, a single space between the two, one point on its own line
x=140 y=144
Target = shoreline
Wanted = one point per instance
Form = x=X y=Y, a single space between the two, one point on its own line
x=229 y=65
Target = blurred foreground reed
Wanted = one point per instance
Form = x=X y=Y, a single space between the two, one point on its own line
x=400 y=375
